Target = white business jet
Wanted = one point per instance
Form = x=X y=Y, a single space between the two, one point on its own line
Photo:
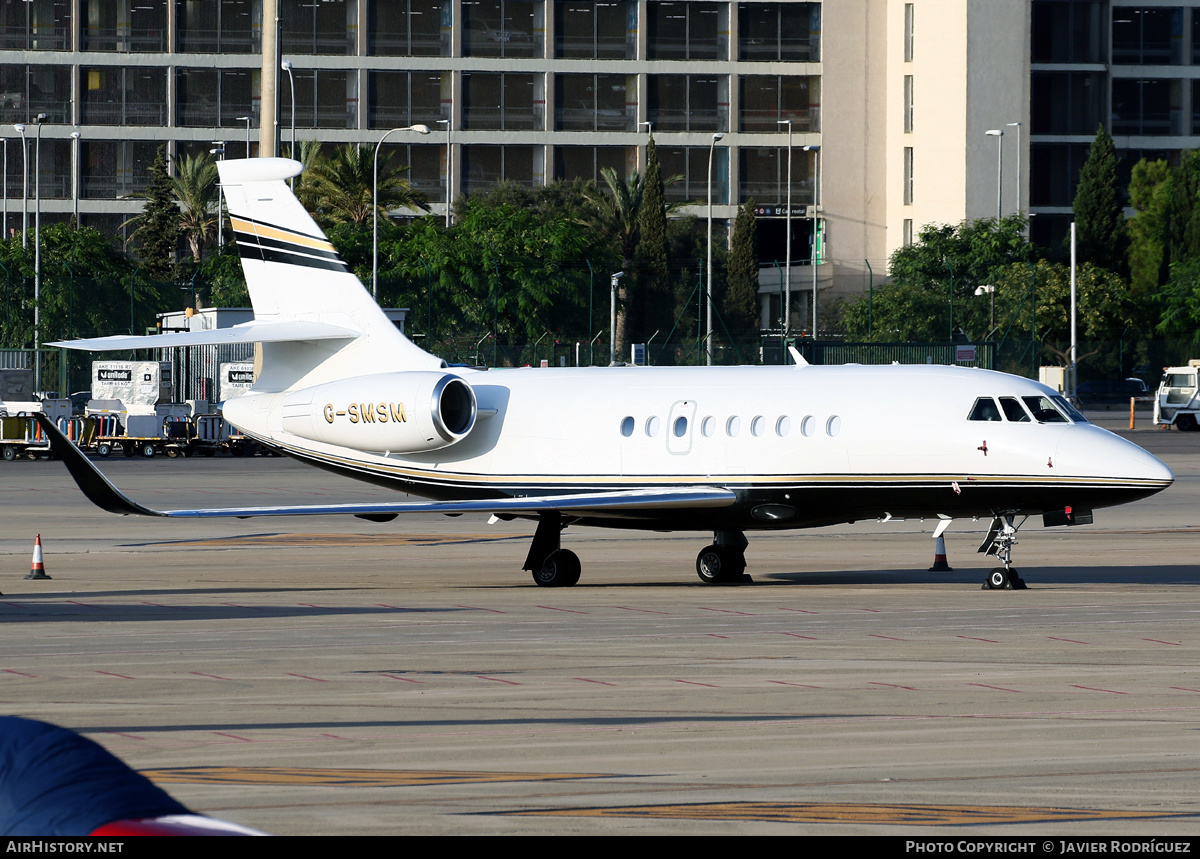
x=720 y=449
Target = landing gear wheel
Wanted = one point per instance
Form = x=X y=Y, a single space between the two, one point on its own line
x=1001 y=579
x=561 y=569
x=719 y=565
x=147 y=450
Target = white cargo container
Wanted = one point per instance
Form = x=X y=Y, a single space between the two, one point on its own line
x=139 y=385
x=237 y=377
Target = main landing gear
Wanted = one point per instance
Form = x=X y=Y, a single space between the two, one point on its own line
x=552 y=566
x=724 y=562
x=999 y=542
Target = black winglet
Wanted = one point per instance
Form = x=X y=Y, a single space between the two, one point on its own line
x=99 y=490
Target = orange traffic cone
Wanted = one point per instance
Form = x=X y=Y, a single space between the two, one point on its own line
x=939 y=557
x=38 y=570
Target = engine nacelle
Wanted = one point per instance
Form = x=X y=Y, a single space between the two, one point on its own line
x=406 y=412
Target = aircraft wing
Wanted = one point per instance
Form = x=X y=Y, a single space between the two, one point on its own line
x=101 y=492
x=249 y=332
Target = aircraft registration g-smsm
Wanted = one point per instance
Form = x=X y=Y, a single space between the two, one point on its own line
x=720 y=449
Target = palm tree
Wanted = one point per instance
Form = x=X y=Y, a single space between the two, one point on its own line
x=195 y=189
x=343 y=186
x=616 y=214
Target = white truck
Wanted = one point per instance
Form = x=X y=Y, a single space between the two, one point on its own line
x=1177 y=400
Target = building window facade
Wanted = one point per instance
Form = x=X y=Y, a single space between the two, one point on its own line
x=595 y=103
x=134 y=95
x=218 y=26
x=485 y=166
x=908 y=104
x=587 y=162
x=688 y=102
x=767 y=99
x=325 y=98
x=215 y=98
x=1147 y=106
x=595 y=30
x=125 y=25
x=908 y=175
x=326 y=27
x=503 y=28
x=687 y=31
x=762 y=175
x=409 y=28
x=502 y=102
x=35 y=25
x=401 y=99
x=1147 y=36
x=779 y=32
x=27 y=90
x=691 y=162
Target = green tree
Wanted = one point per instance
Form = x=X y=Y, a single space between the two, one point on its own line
x=195 y=187
x=652 y=300
x=344 y=186
x=1181 y=302
x=1150 y=192
x=615 y=214
x=1099 y=218
x=741 y=292
x=1184 y=214
x=156 y=229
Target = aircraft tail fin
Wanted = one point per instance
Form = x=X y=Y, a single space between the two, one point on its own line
x=294 y=274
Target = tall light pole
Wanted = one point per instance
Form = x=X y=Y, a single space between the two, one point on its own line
x=37 y=254
x=708 y=349
x=5 y=189
x=24 y=187
x=816 y=151
x=75 y=135
x=419 y=129
x=613 y=283
x=1017 y=126
x=998 y=133
x=246 y=120
x=449 y=171
x=219 y=151
x=286 y=65
x=787 y=273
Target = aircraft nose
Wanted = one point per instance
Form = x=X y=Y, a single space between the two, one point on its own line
x=1088 y=451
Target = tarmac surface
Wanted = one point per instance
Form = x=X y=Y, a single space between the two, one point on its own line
x=323 y=675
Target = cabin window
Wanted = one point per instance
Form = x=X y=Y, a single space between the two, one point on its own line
x=652 y=426
x=732 y=426
x=758 y=426
x=680 y=427
x=783 y=426
x=627 y=427
x=808 y=426
x=833 y=426
x=1071 y=412
x=1013 y=410
x=985 y=410
x=708 y=426
x=1044 y=411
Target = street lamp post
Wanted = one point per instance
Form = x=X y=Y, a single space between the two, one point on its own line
x=246 y=120
x=708 y=349
x=787 y=273
x=1017 y=126
x=37 y=254
x=816 y=150
x=219 y=151
x=6 y=189
x=419 y=129
x=75 y=135
x=24 y=186
x=449 y=171
x=998 y=133
x=989 y=289
x=614 y=279
x=286 y=65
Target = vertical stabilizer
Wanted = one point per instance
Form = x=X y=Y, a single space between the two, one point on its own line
x=293 y=273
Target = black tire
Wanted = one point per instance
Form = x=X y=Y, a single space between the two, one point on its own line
x=128 y=448
x=1187 y=423
x=711 y=565
x=103 y=449
x=561 y=569
x=997 y=579
x=147 y=450
x=10 y=453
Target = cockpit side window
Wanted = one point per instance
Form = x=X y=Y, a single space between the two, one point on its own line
x=1043 y=410
x=984 y=410
x=1013 y=410
x=1071 y=412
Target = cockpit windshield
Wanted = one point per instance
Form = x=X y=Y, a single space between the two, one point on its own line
x=1044 y=411
x=1071 y=412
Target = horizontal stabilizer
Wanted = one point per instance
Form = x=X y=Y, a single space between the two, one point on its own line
x=101 y=492
x=249 y=332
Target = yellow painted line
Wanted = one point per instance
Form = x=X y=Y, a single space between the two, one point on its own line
x=345 y=540
x=830 y=812
x=333 y=777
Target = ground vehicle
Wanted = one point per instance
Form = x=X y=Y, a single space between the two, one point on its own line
x=1107 y=393
x=1177 y=400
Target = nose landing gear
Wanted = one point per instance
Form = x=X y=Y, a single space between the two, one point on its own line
x=999 y=542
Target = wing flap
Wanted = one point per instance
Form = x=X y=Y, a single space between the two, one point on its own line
x=104 y=494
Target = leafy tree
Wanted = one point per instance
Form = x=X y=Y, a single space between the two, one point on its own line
x=1185 y=209
x=223 y=279
x=741 y=294
x=1181 y=301
x=616 y=215
x=344 y=186
x=1100 y=221
x=652 y=300
x=156 y=229
x=1150 y=192
x=195 y=189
